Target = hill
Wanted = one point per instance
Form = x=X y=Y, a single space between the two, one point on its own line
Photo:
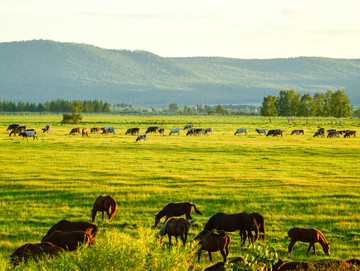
x=42 y=70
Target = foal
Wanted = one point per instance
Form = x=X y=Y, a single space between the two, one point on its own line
x=175 y=227
x=104 y=204
x=311 y=236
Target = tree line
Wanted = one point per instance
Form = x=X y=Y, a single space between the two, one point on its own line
x=291 y=104
x=56 y=106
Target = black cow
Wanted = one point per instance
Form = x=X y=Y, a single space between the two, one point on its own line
x=275 y=132
x=12 y=127
x=349 y=133
x=320 y=132
x=161 y=131
x=152 y=129
x=132 y=131
x=188 y=126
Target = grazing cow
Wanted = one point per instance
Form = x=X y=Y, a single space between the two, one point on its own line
x=175 y=130
x=107 y=130
x=141 y=137
x=28 y=134
x=132 y=131
x=46 y=129
x=34 y=251
x=241 y=130
x=298 y=132
x=349 y=133
x=208 y=130
x=188 y=126
x=153 y=129
x=95 y=130
x=84 y=132
x=213 y=241
x=161 y=131
x=17 y=130
x=190 y=132
x=332 y=133
x=12 y=127
x=70 y=240
x=198 y=131
x=261 y=131
x=275 y=132
x=74 y=131
x=104 y=204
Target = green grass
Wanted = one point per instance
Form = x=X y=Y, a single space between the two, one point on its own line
x=293 y=181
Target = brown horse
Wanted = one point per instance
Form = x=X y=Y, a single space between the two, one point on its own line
x=65 y=225
x=311 y=236
x=104 y=204
x=175 y=227
x=213 y=241
x=70 y=240
x=176 y=209
x=243 y=222
x=34 y=251
x=261 y=223
x=281 y=265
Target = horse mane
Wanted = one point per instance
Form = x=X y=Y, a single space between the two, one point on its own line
x=162 y=231
x=322 y=239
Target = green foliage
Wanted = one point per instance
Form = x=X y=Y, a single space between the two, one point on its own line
x=268 y=108
x=74 y=118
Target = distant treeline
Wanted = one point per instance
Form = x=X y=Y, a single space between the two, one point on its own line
x=291 y=104
x=55 y=106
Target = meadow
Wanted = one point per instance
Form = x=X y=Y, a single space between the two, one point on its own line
x=293 y=181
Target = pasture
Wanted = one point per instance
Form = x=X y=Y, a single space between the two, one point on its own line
x=293 y=181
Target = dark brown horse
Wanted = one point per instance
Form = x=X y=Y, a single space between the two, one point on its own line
x=261 y=223
x=281 y=265
x=176 y=209
x=104 y=204
x=213 y=241
x=34 y=251
x=70 y=240
x=175 y=227
x=243 y=222
x=65 y=225
x=311 y=236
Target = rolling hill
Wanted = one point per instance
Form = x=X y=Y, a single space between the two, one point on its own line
x=43 y=70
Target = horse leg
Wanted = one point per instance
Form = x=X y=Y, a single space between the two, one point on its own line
x=314 y=248
x=199 y=254
x=169 y=241
x=227 y=250
x=108 y=213
x=291 y=245
x=310 y=245
x=223 y=254
x=210 y=257
x=103 y=215
x=243 y=237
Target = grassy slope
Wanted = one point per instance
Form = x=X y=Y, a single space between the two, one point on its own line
x=292 y=181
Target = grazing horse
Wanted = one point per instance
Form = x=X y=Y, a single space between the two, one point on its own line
x=17 y=130
x=281 y=265
x=84 y=132
x=74 y=131
x=34 y=251
x=261 y=223
x=176 y=209
x=243 y=222
x=70 y=240
x=104 y=204
x=311 y=236
x=65 y=225
x=213 y=241
x=175 y=130
x=175 y=227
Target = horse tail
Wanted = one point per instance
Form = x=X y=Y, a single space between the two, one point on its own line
x=113 y=206
x=197 y=210
x=262 y=229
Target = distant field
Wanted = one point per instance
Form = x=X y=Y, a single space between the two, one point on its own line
x=291 y=180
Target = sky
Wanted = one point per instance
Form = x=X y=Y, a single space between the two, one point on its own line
x=183 y=28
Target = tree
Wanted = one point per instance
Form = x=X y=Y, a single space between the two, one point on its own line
x=307 y=106
x=340 y=105
x=327 y=101
x=174 y=108
x=288 y=103
x=219 y=109
x=319 y=100
x=268 y=108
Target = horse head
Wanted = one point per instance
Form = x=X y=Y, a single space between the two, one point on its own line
x=326 y=248
x=157 y=220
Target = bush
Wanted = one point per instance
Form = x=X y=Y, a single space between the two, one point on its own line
x=74 y=118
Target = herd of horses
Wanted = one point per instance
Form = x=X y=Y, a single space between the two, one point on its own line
x=26 y=133
x=68 y=236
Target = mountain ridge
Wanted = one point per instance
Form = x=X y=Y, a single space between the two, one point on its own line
x=42 y=70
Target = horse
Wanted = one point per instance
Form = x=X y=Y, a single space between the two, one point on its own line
x=213 y=241
x=104 y=204
x=176 y=209
x=70 y=240
x=175 y=227
x=281 y=265
x=261 y=223
x=311 y=236
x=65 y=225
x=333 y=265
x=34 y=251
x=243 y=222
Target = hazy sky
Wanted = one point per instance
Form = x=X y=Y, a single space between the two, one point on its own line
x=229 y=28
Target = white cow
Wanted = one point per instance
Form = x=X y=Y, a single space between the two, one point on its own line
x=241 y=130
x=107 y=130
x=175 y=130
x=208 y=130
x=28 y=134
x=141 y=137
x=261 y=131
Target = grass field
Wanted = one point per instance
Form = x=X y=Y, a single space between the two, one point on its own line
x=291 y=180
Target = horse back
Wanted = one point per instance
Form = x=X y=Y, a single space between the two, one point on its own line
x=177 y=209
x=304 y=235
x=177 y=226
x=225 y=222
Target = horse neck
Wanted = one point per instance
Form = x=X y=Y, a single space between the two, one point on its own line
x=322 y=240
x=161 y=214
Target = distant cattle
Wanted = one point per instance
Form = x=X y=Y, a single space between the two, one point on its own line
x=153 y=129
x=12 y=127
x=261 y=131
x=28 y=134
x=46 y=129
x=208 y=130
x=332 y=133
x=320 y=132
x=298 y=132
x=141 y=137
x=95 y=130
x=84 y=132
x=198 y=131
x=188 y=126
x=161 y=131
x=17 y=130
x=349 y=133
x=75 y=130
x=190 y=132
x=241 y=130
x=275 y=132
x=132 y=131
x=107 y=130
x=175 y=130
